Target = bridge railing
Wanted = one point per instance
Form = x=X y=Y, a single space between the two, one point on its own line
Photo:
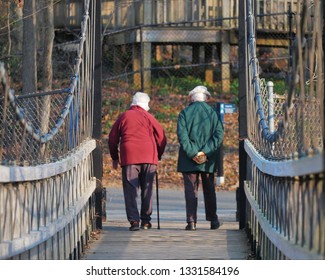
x=47 y=211
x=284 y=185
x=47 y=183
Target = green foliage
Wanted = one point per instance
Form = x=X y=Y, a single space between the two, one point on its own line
x=234 y=90
x=179 y=85
x=280 y=87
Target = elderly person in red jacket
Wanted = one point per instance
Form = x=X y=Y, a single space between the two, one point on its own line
x=200 y=133
x=141 y=140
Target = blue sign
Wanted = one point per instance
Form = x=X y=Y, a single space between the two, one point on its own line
x=229 y=108
x=223 y=108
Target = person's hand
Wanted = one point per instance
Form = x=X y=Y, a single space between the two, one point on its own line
x=115 y=163
x=200 y=158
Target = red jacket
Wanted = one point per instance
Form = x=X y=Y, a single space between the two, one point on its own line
x=140 y=136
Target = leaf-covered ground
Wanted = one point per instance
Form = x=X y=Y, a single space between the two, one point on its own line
x=166 y=108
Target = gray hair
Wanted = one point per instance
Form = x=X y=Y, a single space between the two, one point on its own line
x=199 y=93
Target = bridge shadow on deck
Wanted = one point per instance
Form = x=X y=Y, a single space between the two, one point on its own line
x=171 y=241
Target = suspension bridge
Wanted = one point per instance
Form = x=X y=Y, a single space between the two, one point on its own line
x=51 y=191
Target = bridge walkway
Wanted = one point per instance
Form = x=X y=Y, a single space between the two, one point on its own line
x=171 y=241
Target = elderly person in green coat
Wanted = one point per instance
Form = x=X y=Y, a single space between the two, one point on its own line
x=200 y=133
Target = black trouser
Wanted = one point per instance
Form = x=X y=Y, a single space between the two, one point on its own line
x=135 y=177
x=191 y=186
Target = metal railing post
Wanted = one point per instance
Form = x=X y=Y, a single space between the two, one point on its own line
x=97 y=127
x=270 y=101
x=220 y=179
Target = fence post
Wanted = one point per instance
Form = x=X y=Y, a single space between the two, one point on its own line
x=243 y=88
x=220 y=180
x=97 y=117
x=270 y=101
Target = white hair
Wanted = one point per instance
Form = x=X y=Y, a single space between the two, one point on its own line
x=199 y=93
x=198 y=97
x=141 y=99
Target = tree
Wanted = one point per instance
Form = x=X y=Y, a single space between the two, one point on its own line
x=48 y=31
x=47 y=77
x=29 y=48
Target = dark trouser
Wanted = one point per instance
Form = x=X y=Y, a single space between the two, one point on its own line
x=191 y=185
x=135 y=177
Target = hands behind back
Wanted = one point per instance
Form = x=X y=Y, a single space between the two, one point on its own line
x=200 y=158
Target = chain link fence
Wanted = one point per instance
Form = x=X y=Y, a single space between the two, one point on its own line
x=42 y=127
x=38 y=114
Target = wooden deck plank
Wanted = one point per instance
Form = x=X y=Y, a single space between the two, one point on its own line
x=171 y=241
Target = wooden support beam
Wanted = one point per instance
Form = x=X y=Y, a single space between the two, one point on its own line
x=136 y=52
x=225 y=66
x=208 y=56
x=146 y=57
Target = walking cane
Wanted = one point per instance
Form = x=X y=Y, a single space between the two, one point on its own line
x=157 y=197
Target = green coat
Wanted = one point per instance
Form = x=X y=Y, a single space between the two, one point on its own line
x=198 y=129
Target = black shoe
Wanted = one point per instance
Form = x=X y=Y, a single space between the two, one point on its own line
x=214 y=224
x=146 y=225
x=190 y=226
x=134 y=226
